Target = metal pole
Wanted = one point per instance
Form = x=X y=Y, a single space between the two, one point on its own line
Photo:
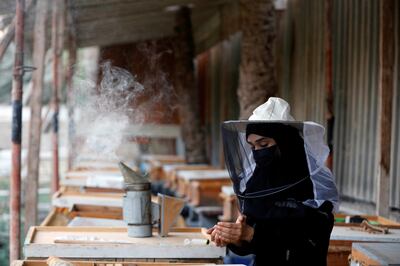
x=15 y=184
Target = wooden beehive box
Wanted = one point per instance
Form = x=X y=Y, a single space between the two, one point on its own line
x=67 y=198
x=113 y=243
x=230 y=206
x=169 y=172
x=155 y=162
x=94 y=180
x=202 y=187
x=63 y=216
x=373 y=254
x=342 y=238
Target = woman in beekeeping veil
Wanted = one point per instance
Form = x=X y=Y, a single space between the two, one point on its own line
x=286 y=193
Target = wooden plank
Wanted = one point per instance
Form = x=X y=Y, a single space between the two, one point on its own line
x=56 y=217
x=195 y=175
x=375 y=219
x=167 y=158
x=94 y=179
x=148 y=4
x=111 y=263
x=369 y=254
x=172 y=247
x=70 y=198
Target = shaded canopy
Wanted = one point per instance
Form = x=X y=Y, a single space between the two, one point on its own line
x=109 y=22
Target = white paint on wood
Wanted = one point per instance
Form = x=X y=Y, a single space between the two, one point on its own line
x=96 y=179
x=87 y=221
x=70 y=200
x=190 y=175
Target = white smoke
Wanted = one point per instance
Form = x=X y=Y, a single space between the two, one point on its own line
x=105 y=111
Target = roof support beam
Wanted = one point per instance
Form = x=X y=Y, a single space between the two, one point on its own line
x=386 y=87
x=17 y=89
x=35 y=130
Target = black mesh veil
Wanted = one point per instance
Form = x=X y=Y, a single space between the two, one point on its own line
x=301 y=165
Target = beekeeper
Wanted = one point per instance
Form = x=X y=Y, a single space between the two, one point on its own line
x=286 y=194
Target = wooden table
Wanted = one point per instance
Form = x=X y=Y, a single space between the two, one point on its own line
x=113 y=243
x=202 y=187
x=343 y=237
x=372 y=254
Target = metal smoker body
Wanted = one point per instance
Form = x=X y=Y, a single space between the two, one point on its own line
x=139 y=212
x=137 y=205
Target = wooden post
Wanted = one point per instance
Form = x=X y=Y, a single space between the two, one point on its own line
x=257 y=80
x=17 y=87
x=70 y=94
x=39 y=51
x=192 y=132
x=328 y=79
x=56 y=43
x=386 y=78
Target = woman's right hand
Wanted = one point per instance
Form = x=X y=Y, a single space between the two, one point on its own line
x=215 y=237
x=225 y=233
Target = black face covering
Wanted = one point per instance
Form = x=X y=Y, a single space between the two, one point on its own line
x=264 y=156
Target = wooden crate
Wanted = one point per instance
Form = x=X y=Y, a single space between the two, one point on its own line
x=373 y=254
x=113 y=243
x=63 y=216
x=230 y=204
x=169 y=172
x=185 y=177
x=206 y=192
x=343 y=237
